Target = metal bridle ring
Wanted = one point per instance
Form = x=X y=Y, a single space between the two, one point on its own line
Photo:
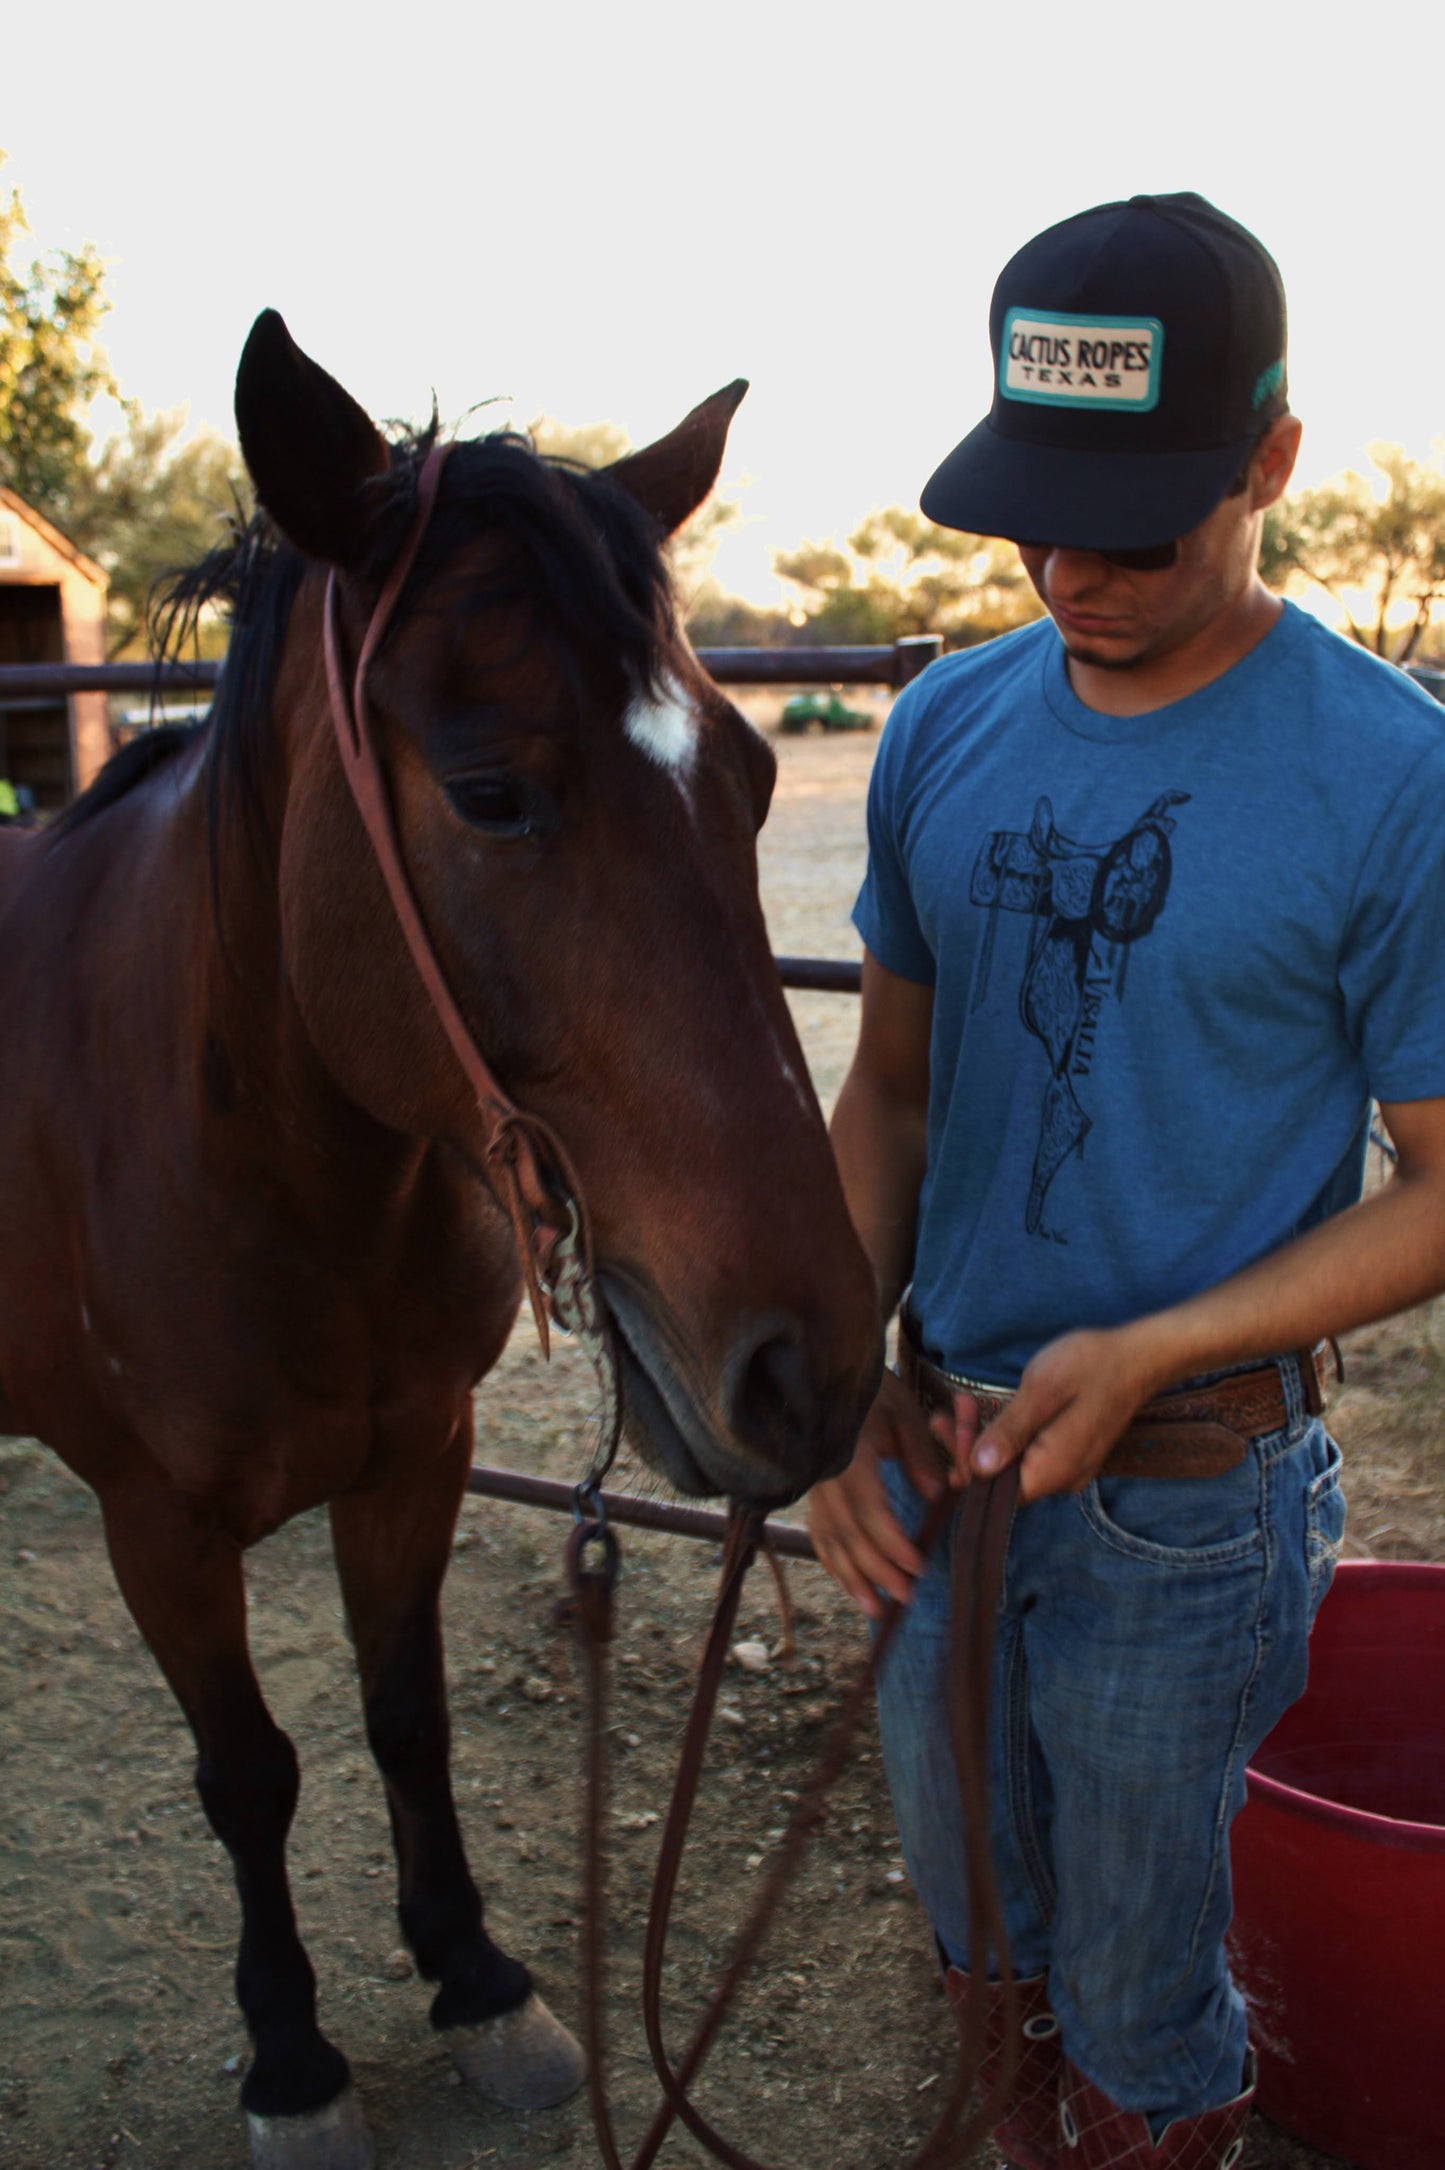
x=588 y=1505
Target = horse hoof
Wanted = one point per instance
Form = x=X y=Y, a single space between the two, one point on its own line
x=526 y=2059
x=335 y=2138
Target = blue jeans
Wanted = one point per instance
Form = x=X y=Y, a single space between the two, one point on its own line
x=1151 y=1633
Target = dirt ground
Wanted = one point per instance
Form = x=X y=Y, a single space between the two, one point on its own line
x=120 y=2043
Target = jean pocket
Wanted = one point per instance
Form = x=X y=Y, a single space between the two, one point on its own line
x=1324 y=1522
x=1180 y=1522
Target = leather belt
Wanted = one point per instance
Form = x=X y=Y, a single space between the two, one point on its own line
x=1192 y=1431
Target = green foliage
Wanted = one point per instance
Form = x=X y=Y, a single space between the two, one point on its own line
x=899 y=574
x=50 y=365
x=1379 y=552
x=719 y=620
x=147 y=503
x=150 y=505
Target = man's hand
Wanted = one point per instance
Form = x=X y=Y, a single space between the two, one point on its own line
x=1074 y=1402
x=854 y=1528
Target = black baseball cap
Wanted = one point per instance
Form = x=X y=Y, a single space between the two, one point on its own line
x=1139 y=351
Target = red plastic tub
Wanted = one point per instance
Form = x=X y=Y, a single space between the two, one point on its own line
x=1339 y=1880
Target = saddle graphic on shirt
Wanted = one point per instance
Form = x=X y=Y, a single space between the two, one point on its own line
x=1087 y=905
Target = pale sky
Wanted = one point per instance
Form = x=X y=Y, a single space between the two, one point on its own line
x=607 y=211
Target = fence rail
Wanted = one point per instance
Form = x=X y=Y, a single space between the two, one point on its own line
x=704 y=1523
x=824 y=975
x=890 y=666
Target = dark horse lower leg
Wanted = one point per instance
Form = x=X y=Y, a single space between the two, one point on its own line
x=252 y=1258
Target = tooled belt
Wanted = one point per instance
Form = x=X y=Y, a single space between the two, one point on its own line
x=1192 y=1431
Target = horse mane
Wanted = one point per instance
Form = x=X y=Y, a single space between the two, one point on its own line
x=588 y=551
x=136 y=760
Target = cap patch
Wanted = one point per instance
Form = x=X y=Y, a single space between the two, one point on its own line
x=1268 y=383
x=1057 y=360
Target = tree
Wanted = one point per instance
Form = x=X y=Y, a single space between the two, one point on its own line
x=716 y=619
x=1379 y=552
x=149 y=505
x=899 y=574
x=51 y=367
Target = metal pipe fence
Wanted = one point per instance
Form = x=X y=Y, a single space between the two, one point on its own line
x=894 y=665
x=703 y=1523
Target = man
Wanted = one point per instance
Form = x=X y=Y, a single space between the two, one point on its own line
x=1153 y=908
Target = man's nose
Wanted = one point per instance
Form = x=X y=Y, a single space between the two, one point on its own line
x=1069 y=574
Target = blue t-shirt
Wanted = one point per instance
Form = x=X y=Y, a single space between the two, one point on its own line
x=1174 y=956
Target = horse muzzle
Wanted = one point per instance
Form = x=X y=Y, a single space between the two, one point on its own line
x=771 y=1423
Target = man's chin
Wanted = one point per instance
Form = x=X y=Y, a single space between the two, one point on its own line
x=1116 y=655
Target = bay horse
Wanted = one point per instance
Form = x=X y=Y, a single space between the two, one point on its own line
x=251 y=1259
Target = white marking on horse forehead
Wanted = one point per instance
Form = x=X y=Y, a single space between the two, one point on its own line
x=665 y=727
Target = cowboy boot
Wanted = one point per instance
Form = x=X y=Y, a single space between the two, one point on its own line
x=1028 y=2123
x=1099 y=2136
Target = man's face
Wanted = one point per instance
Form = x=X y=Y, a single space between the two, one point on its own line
x=1115 y=619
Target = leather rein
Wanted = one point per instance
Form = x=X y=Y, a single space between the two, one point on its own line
x=533 y=1179
x=979 y=1551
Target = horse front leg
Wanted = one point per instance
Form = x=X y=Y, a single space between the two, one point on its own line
x=183 y=1582
x=393 y=1543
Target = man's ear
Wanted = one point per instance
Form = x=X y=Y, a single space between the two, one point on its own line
x=1273 y=462
x=671 y=478
x=309 y=447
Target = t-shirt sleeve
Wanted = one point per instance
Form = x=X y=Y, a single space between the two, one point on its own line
x=1392 y=963
x=885 y=914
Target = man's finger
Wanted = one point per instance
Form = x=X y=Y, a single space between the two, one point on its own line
x=850 y=1579
x=876 y=1526
x=862 y=1566
x=1002 y=1441
x=903 y=1438
x=1020 y=1421
x=862 y=1546
x=859 y=1539
x=1060 y=1458
x=955 y=1430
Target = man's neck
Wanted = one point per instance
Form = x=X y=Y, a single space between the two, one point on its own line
x=1155 y=681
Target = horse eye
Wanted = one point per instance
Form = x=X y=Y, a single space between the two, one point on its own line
x=501 y=805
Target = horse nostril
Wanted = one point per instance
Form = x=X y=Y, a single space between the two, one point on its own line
x=772 y=1402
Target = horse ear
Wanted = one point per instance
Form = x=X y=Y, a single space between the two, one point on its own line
x=671 y=478
x=309 y=447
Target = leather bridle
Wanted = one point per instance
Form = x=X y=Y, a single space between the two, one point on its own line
x=525 y=1162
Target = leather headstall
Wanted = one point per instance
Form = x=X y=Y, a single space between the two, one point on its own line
x=517 y=1148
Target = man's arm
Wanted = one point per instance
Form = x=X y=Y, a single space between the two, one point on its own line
x=880 y=1140
x=880 y=1125
x=1081 y=1392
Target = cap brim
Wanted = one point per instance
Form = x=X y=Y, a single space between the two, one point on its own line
x=996 y=485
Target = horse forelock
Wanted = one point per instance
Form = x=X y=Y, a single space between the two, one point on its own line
x=582 y=548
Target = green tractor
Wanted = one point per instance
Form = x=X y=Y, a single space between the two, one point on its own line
x=823 y=712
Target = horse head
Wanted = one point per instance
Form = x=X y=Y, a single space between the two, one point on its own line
x=577 y=805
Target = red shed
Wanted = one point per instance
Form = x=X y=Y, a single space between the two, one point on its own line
x=52 y=610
